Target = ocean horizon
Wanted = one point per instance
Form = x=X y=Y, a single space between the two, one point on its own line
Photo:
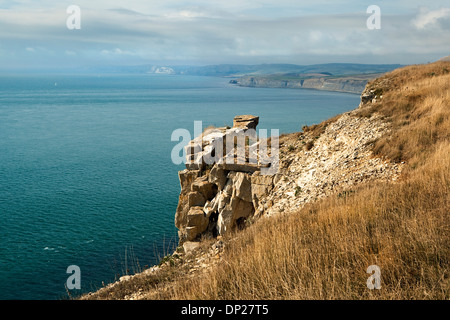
x=86 y=176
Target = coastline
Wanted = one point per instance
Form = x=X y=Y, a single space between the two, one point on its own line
x=345 y=191
x=347 y=84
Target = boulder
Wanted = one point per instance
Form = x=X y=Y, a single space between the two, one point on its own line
x=261 y=187
x=196 y=218
x=238 y=166
x=235 y=209
x=186 y=178
x=218 y=176
x=216 y=189
x=210 y=207
x=203 y=186
x=241 y=185
x=190 y=234
x=197 y=222
x=189 y=247
x=234 y=201
x=195 y=198
x=222 y=199
x=182 y=210
x=241 y=209
x=245 y=121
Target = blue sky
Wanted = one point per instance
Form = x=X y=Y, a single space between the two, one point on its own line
x=33 y=34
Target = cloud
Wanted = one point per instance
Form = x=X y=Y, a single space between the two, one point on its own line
x=234 y=31
x=427 y=18
x=116 y=51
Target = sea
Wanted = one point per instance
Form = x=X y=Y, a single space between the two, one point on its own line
x=86 y=175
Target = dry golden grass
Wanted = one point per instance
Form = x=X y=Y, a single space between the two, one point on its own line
x=416 y=100
x=323 y=251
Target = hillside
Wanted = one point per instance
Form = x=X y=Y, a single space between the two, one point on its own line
x=341 y=77
x=318 y=81
x=368 y=187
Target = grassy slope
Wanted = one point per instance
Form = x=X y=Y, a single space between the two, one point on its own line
x=324 y=250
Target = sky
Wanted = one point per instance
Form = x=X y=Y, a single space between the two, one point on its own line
x=34 y=34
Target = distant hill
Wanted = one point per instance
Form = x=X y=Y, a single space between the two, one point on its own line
x=238 y=70
x=233 y=70
x=343 y=77
x=447 y=58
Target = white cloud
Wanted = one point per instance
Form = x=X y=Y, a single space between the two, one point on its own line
x=428 y=18
x=233 y=31
x=116 y=51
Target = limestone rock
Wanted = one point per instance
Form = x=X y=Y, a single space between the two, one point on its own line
x=218 y=176
x=261 y=187
x=196 y=218
x=190 y=233
x=182 y=210
x=245 y=121
x=223 y=194
x=243 y=167
x=229 y=215
x=241 y=185
x=189 y=247
x=210 y=207
x=195 y=198
x=222 y=199
x=186 y=178
x=203 y=186
x=197 y=223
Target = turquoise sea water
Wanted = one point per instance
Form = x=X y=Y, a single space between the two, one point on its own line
x=86 y=176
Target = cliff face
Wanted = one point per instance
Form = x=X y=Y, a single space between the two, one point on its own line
x=334 y=157
x=344 y=84
x=220 y=195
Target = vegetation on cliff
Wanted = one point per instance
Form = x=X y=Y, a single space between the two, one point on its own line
x=323 y=249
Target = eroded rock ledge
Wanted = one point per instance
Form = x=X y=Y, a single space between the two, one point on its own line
x=218 y=197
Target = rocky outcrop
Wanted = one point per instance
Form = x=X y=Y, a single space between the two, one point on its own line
x=223 y=182
x=221 y=196
x=245 y=121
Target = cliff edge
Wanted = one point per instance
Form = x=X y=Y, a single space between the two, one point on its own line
x=305 y=220
x=349 y=84
x=322 y=160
